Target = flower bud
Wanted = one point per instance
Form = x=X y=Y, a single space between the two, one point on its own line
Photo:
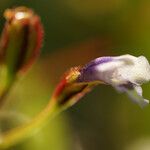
x=21 y=39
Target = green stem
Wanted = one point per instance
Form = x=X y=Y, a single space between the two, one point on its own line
x=19 y=133
x=7 y=80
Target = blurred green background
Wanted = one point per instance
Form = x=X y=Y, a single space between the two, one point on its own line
x=77 y=31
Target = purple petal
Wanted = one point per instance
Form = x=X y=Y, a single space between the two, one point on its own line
x=98 y=61
x=88 y=72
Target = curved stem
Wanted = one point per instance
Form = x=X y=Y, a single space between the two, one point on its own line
x=17 y=134
x=63 y=97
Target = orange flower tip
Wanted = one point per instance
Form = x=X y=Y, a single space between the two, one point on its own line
x=69 y=77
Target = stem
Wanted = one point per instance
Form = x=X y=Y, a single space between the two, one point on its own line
x=63 y=98
x=3 y=99
x=17 y=134
x=7 y=81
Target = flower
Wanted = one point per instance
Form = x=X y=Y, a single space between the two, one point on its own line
x=125 y=73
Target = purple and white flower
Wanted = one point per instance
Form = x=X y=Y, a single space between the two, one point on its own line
x=125 y=73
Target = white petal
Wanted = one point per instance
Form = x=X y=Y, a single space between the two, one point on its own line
x=134 y=94
x=137 y=73
x=136 y=98
x=108 y=72
x=139 y=90
x=126 y=58
x=109 y=66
